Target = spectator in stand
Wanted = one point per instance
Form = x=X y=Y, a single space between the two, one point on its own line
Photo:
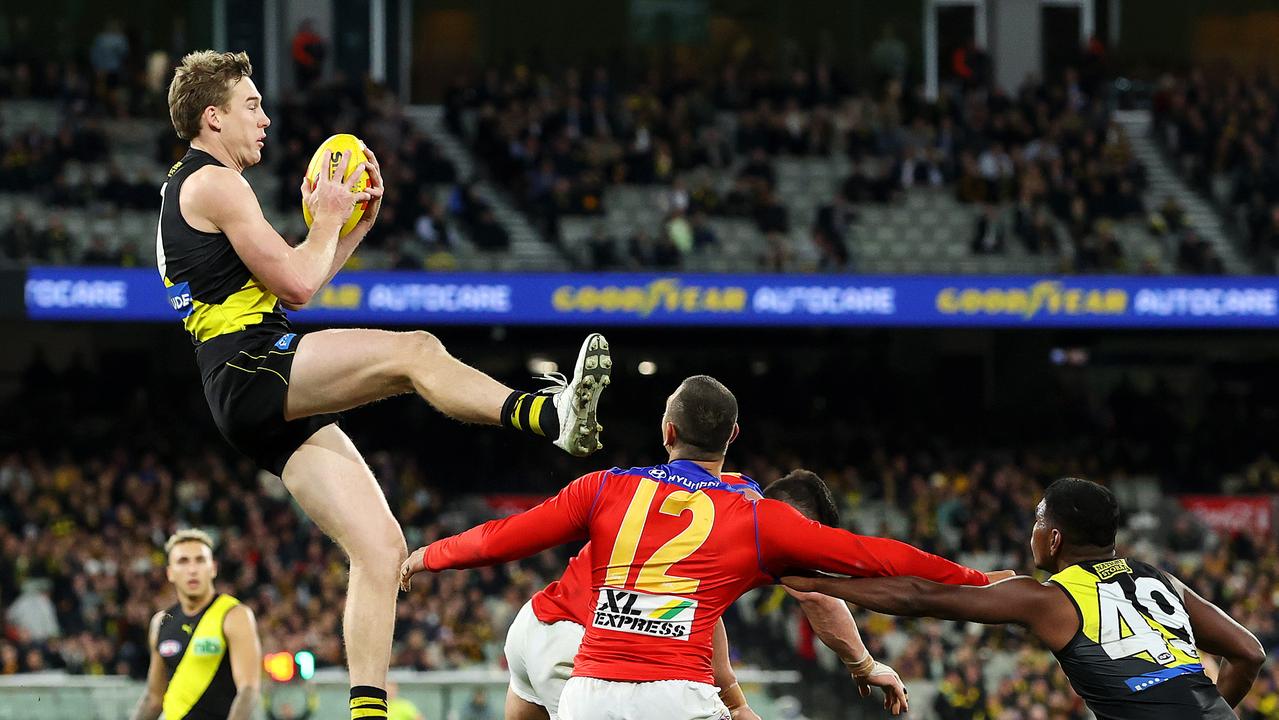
x=488 y=234
x=431 y=228
x=601 y=249
x=31 y=616
x=1196 y=257
x=665 y=253
x=777 y=255
x=889 y=56
x=56 y=242
x=771 y=216
x=108 y=53
x=917 y=169
x=20 y=242
x=307 y=50
x=100 y=253
x=1034 y=228
x=704 y=238
x=988 y=234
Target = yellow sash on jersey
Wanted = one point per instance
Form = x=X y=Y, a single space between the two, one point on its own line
x=200 y=662
x=243 y=308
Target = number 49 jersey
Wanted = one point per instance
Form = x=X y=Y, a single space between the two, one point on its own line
x=1134 y=656
x=671 y=547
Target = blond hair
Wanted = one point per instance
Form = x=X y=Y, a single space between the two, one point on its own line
x=188 y=535
x=203 y=78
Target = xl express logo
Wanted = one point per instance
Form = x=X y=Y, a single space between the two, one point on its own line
x=666 y=616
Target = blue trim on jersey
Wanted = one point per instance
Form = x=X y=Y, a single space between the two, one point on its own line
x=688 y=475
x=1149 y=680
x=595 y=502
x=759 y=548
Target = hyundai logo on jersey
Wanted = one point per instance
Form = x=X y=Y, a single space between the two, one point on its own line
x=690 y=476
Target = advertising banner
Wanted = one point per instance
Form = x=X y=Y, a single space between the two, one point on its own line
x=422 y=299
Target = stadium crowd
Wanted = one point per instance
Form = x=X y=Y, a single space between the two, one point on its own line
x=83 y=517
x=73 y=164
x=1045 y=164
x=1048 y=154
x=1222 y=125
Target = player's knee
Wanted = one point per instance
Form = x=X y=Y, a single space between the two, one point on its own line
x=416 y=350
x=381 y=544
x=422 y=344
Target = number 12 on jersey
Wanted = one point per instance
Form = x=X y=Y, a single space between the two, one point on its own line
x=654 y=574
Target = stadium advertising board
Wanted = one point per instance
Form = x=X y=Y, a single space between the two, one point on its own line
x=1233 y=514
x=414 y=298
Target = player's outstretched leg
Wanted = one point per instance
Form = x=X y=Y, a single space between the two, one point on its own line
x=336 y=489
x=336 y=370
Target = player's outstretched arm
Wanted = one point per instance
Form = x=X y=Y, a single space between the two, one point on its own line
x=834 y=625
x=241 y=630
x=1044 y=610
x=559 y=520
x=294 y=274
x=152 y=701
x=1218 y=633
x=790 y=542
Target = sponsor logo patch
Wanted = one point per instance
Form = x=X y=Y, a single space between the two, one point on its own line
x=666 y=616
x=169 y=648
x=285 y=341
x=1111 y=568
x=180 y=298
x=206 y=646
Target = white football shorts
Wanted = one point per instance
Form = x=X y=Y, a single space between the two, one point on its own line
x=540 y=657
x=595 y=699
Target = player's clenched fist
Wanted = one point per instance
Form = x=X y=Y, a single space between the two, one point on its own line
x=415 y=564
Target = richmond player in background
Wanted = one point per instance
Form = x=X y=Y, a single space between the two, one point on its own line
x=672 y=546
x=205 y=655
x=274 y=392
x=1127 y=634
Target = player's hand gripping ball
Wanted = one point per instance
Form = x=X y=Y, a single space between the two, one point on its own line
x=327 y=159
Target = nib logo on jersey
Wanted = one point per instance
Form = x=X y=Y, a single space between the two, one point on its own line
x=666 y=616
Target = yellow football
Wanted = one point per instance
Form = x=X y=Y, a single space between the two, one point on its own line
x=326 y=160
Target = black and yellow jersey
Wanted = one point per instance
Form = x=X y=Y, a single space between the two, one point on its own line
x=195 y=651
x=209 y=286
x=1134 y=655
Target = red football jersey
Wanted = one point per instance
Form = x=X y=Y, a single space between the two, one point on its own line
x=671 y=547
x=571 y=597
